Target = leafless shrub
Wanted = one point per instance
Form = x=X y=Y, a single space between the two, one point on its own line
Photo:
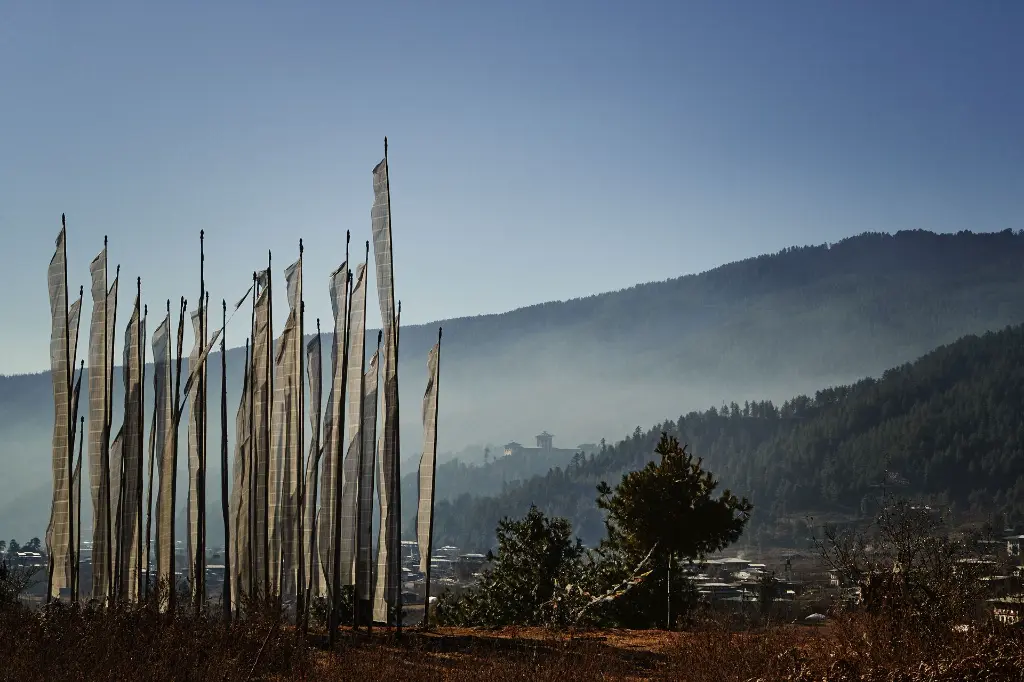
x=14 y=580
x=914 y=577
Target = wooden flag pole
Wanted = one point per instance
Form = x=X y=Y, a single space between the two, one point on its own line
x=268 y=413
x=78 y=509
x=77 y=527
x=198 y=568
x=70 y=374
x=298 y=526
x=369 y=627
x=339 y=427
x=140 y=469
x=204 y=451
x=357 y=602
x=109 y=347
x=103 y=513
x=176 y=412
x=394 y=495
x=72 y=578
x=122 y=488
x=153 y=461
x=122 y=503
x=433 y=487
x=67 y=423
x=224 y=502
x=250 y=365
x=373 y=454
x=315 y=442
x=75 y=519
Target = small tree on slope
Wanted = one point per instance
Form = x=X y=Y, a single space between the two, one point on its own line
x=667 y=509
x=536 y=557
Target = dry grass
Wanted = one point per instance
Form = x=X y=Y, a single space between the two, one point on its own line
x=129 y=644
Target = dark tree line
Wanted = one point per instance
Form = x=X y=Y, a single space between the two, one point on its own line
x=13 y=547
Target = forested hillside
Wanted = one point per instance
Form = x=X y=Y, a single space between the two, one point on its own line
x=768 y=327
x=456 y=476
x=948 y=428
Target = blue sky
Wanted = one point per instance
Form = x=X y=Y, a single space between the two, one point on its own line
x=539 y=150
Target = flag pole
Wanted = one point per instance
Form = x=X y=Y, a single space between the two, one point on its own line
x=122 y=503
x=394 y=497
x=251 y=516
x=78 y=509
x=69 y=376
x=244 y=494
x=315 y=442
x=176 y=411
x=108 y=347
x=72 y=390
x=198 y=570
x=152 y=451
x=298 y=526
x=104 y=496
x=155 y=462
x=226 y=595
x=357 y=605
x=268 y=413
x=76 y=514
x=373 y=441
x=142 y=446
x=67 y=421
x=122 y=488
x=203 y=460
x=433 y=486
x=397 y=463
x=339 y=427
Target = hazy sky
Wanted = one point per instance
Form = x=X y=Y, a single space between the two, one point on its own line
x=539 y=150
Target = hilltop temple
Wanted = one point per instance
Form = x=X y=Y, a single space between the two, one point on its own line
x=545 y=446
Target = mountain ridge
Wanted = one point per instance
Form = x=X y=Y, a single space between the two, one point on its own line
x=771 y=326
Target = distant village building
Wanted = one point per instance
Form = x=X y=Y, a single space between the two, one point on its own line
x=1007 y=610
x=1014 y=543
x=546 y=446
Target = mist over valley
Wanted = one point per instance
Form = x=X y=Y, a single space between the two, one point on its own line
x=767 y=328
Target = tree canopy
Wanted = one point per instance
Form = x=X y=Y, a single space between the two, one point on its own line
x=670 y=505
x=536 y=557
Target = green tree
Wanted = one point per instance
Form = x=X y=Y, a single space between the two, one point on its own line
x=537 y=557
x=670 y=507
x=34 y=545
x=660 y=514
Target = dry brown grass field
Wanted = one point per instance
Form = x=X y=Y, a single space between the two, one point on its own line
x=132 y=644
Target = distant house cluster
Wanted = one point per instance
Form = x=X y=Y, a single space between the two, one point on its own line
x=450 y=569
x=736 y=580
